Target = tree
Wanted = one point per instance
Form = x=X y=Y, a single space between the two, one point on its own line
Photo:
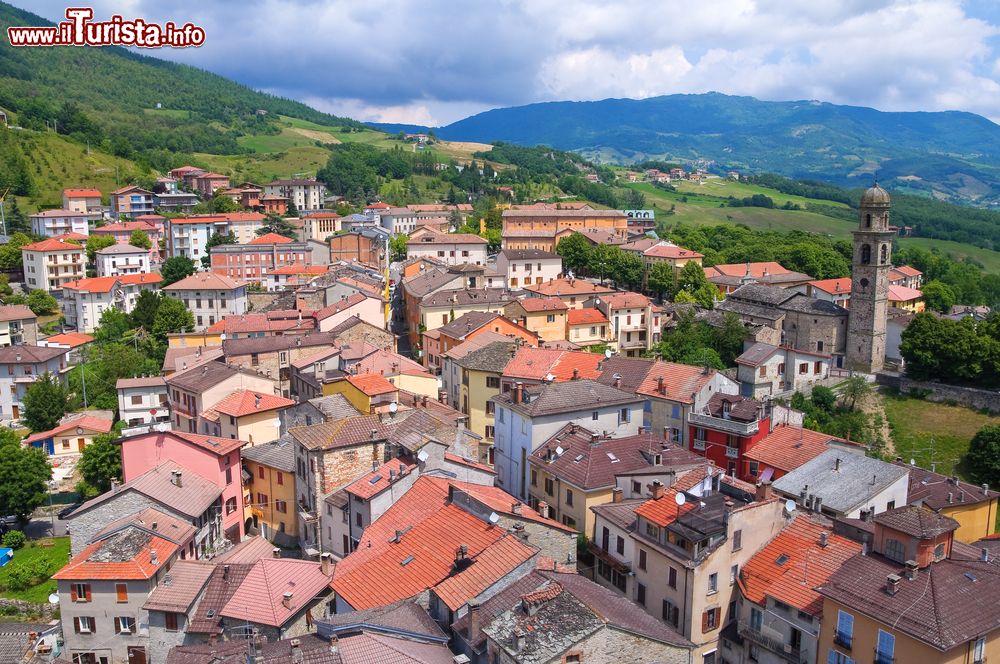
x=939 y=296
x=113 y=326
x=692 y=280
x=856 y=388
x=97 y=242
x=661 y=279
x=172 y=316
x=983 y=457
x=627 y=268
x=24 y=476
x=42 y=303
x=45 y=402
x=214 y=241
x=10 y=253
x=277 y=224
x=140 y=238
x=823 y=398
x=602 y=260
x=144 y=311
x=727 y=340
x=575 y=251
x=397 y=247
x=176 y=268
x=101 y=462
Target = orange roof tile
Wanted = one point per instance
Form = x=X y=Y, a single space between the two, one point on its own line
x=79 y=237
x=563 y=286
x=86 y=422
x=787 y=447
x=841 y=286
x=52 y=244
x=141 y=278
x=626 y=300
x=87 y=193
x=664 y=250
x=377 y=481
x=908 y=271
x=586 y=317
x=71 y=339
x=271 y=238
x=301 y=269
x=245 y=402
x=371 y=384
x=663 y=510
x=680 y=381
x=491 y=565
x=903 y=294
x=533 y=304
x=757 y=270
x=803 y=566
x=93 y=284
x=138 y=567
x=259 y=597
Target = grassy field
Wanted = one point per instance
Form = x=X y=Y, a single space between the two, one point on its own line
x=51 y=552
x=724 y=188
x=701 y=210
x=989 y=259
x=933 y=432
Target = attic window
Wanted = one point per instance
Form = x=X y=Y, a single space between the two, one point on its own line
x=375 y=480
x=578 y=458
x=970 y=576
x=613 y=458
x=406 y=561
x=782 y=559
x=211 y=613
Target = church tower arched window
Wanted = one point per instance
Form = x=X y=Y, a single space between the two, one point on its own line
x=866 y=254
x=883 y=255
x=868 y=220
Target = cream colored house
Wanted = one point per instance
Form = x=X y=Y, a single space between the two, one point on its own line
x=51 y=263
x=251 y=416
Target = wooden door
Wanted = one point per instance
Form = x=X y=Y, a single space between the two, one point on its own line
x=17 y=412
x=136 y=655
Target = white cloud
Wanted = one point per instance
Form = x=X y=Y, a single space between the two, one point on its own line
x=391 y=59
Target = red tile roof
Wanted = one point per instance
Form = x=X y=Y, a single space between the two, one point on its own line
x=492 y=564
x=908 y=270
x=87 y=193
x=218 y=218
x=626 y=301
x=537 y=363
x=301 y=269
x=664 y=510
x=206 y=280
x=89 y=566
x=899 y=293
x=259 y=597
x=245 y=402
x=80 y=237
x=141 y=278
x=804 y=565
x=533 y=304
x=215 y=444
x=371 y=384
x=375 y=482
x=680 y=381
x=86 y=422
x=454 y=458
x=757 y=270
x=564 y=287
x=52 y=245
x=377 y=206
x=271 y=238
x=92 y=284
x=340 y=305
x=841 y=286
x=787 y=447
x=664 y=250
x=126 y=226
x=586 y=317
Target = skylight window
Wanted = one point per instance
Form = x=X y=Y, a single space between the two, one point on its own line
x=406 y=561
x=614 y=459
x=782 y=559
x=375 y=480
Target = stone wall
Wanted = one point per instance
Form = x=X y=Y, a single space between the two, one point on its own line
x=940 y=392
x=257 y=300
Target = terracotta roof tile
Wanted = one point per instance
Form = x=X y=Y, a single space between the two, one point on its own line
x=586 y=317
x=187 y=579
x=85 y=422
x=71 y=339
x=245 y=402
x=378 y=480
x=271 y=238
x=51 y=245
x=787 y=447
x=206 y=280
x=132 y=553
x=535 y=304
x=259 y=596
x=371 y=384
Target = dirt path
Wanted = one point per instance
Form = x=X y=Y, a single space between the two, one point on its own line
x=873 y=406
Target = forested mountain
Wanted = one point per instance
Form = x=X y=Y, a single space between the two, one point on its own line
x=952 y=155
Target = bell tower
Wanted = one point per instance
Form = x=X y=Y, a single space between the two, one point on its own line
x=866 y=321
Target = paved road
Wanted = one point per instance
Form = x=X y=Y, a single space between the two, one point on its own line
x=41 y=524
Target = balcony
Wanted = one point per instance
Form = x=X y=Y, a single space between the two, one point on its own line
x=732 y=452
x=699 y=445
x=883 y=658
x=721 y=424
x=776 y=646
x=843 y=640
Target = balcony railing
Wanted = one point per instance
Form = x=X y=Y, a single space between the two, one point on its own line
x=777 y=646
x=699 y=445
x=722 y=424
x=843 y=640
x=883 y=658
x=732 y=452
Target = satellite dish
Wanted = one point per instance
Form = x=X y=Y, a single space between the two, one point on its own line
x=680 y=499
x=53 y=598
x=549 y=378
x=559 y=451
x=607 y=353
x=913 y=462
x=393 y=407
x=494 y=517
x=422 y=456
x=222 y=337
x=789 y=505
x=277 y=422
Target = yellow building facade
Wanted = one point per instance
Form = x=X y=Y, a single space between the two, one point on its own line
x=269 y=493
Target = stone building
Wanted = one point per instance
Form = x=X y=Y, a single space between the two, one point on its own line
x=870 y=283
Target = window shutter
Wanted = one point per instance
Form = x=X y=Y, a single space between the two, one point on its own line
x=72 y=592
x=118 y=625
x=86 y=591
x=704 y=622
x=93 y=623
x=76 y=625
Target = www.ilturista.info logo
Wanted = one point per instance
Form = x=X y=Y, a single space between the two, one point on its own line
x=80 y=30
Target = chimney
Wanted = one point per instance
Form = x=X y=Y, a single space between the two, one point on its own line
x=986 y=488
x=836 y=465
x=617 y=495
x=153 y=558
x=656 y=489
x=824 y=539
x=618 y=380
x=275 y=552
x=818 y=504
x=286 y=600
x=984 y=555
x=518 y=391
x=326 y=564
x=474 y=619
x=423 y=401
x=911 y=570
x=115 y=486
x=576 y=373
x=660 y=388
x=764 y=491
x=374 y=434
x=462 y=553
x=892 y=584
x=543 y=509
x=951 y=497
x=518 y=640
x=515 y=508
x=175 y=478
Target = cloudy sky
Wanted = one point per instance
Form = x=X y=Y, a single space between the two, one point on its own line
x=436 y=61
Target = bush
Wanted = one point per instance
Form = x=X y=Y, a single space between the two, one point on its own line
x=14 y=539
x=20 y=578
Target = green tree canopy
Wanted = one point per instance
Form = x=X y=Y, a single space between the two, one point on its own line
x=693 y=281
x=575 y=251
x=113 y=326
x=661 y=279
x=97 y=242
x=397 y=247
x=101 y=462
x=24 y=476
x=176 y=268
x=144 y=311
x=140 y=238
x=42 y=303
x=171 y=316
x=983 y=457
x=939 y=296
x=10 y=253
x=45 y=402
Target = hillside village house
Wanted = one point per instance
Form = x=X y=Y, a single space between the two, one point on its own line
x=766 y=370
x=71 y=436
x=181 y=202
x=20 y=366
x=365 y=246
x=151 y=224
x=293 y=276
x=786 y=448
x=51 y=223
x=51 y=263
x=480 y=382
x=445 y=306
x=192 y=392
x=974 y=508
x=305 y=195
x=635 y=322
x=85 y=300
x=527 y=416
x=207 y=183
x=542 y=229
x=449 y=248
x=87 y=201
x=189 y=236
x=270 y=491
x=731 y=276
x=468 y=326
x=214 y=459
x=320 y=225
x=587 y=327
x=122 y=259
x=251 y=416
x=210 y=297
x=545 y=317
x=727 y=428
x=517 y=268
x=18 y=325
x=574 y=292
x=255 y=260
x=131 y=201
x=142 y=401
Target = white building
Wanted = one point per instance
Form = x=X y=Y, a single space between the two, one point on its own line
x=449 y=248
x=51 y=263
x=143 y=400
x=189 y=236
x=210 y=297
x=51 y=223
x=306 y=195
x=763 y=370
x=86 y=299
x=122 y=259
x=529 y=415
x=20 y=367
x=524 y=267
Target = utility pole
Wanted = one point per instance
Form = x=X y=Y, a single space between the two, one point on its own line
x=3 y=220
